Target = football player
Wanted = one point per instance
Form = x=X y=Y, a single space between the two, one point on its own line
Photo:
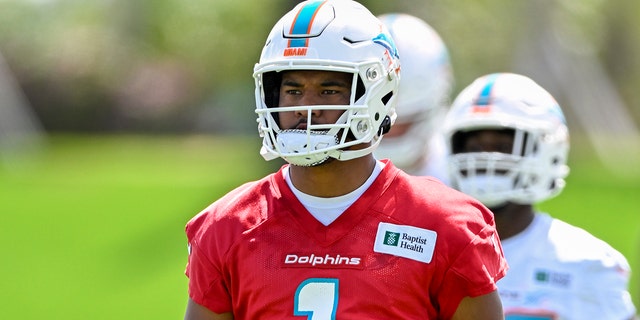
x=336 y=234
x=414 y=143
x=508 y=143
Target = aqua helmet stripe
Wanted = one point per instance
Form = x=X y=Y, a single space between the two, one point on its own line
x=303 y=22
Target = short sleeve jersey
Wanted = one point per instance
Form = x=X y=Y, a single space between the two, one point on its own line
x=561 y=272
x=408 y=248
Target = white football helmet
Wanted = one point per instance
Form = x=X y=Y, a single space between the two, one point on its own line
x=424 y=91
x=332 y=35
x=535 y=169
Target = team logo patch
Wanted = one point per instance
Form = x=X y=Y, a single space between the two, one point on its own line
x=405 y=241
x=391 y=238
x=547 y=277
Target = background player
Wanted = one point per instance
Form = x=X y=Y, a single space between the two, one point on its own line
x=334 y=234
x=509 y=143
x=414 y=143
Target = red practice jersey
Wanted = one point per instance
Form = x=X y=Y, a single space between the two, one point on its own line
x=409 y=248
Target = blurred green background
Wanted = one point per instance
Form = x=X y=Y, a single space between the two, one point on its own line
x=120 y=120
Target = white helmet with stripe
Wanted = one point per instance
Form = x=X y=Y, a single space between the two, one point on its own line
x=535 y=168
x=424 y=92
x=332 y=35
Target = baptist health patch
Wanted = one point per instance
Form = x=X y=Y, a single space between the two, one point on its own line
x=405 y=241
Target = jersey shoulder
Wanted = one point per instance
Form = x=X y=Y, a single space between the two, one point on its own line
x=237 y=211
x=425 y=202
x=573 y=243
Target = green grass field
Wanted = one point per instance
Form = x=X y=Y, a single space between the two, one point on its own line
x=92 y=227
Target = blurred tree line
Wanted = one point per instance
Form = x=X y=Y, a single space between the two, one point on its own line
x=186 y=66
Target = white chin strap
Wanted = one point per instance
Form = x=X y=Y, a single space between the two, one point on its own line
x=344 y=155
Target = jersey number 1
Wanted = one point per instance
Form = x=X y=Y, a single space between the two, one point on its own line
x=317 y=299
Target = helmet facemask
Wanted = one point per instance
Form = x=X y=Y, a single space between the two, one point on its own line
x=496 y=178
x=319 y=142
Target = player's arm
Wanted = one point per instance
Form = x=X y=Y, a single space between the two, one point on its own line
x=199 y=312
x=485 y=307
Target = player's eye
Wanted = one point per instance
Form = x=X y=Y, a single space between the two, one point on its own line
x=293 y=92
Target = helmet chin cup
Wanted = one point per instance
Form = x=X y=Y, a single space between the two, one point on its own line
x=304 y=148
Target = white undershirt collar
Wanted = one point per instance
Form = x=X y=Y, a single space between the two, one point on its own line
x=327 y=210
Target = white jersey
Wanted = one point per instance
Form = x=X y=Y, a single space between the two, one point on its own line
x=561 y=272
